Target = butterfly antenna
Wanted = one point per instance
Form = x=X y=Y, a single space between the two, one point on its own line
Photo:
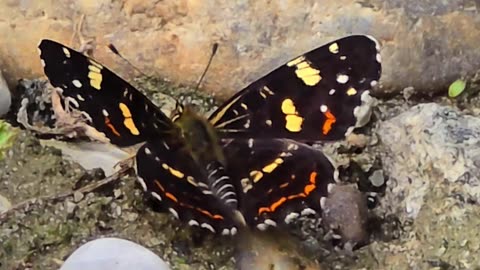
x=115 y=51
x=214 y=51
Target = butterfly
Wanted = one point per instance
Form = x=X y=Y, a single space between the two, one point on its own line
x=246 y=164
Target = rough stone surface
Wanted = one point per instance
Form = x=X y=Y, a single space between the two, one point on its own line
x=432 y=159
x=425 y=45
x=430 y=145
x=346 y=212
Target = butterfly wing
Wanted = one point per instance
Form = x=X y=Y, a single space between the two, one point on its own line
x=278 y=180
x=316 y=96
x=172 y=177
x=111 y=105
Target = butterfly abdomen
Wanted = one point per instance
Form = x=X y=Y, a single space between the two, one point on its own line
x=221 y=184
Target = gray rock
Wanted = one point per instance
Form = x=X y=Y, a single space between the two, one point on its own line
x=5 y=96
x=427 y=145
x=431 y=157
x=113 y=253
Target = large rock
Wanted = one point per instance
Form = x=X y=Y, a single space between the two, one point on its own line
x=426 y=44
x=433 y=163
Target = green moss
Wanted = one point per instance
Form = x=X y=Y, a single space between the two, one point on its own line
x=7 y=134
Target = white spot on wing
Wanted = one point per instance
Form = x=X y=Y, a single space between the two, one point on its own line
x=174 y=212
x=147 y=151
x=377 y=44
x=66 y=52
x=331 y=92
x=156 y=196
x=262 y=226
x=105 y=113
x=323 y=201
x=323 y=108
x=193 y=222
x=77 y=83
x=208 y=227
x=291 y=217
x=142 y=183
x=342 y=78
x=270 y=222
x=330 y=187
x=307 y=212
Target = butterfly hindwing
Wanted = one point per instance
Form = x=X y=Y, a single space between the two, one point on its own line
x=316 y=96
x=171 y=176
x=110 y=104
x=278 y=180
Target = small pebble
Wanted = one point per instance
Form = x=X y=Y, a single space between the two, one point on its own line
x=113 y=253
x=4 y=204
x=377 y=178
x=5 y=96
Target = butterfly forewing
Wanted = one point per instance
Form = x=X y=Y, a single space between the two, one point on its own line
x=316 y=96
x=109 y=103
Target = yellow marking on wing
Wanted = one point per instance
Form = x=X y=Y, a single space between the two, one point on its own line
x=95 y=75
x=333 y=48
x=288 y=107
x=304 y=71
x=128 y=122
x=293 y=120
x=272 y=166
x=267 y=90
x=351 y=91
x=172 y=171
x=93 y=62
x=295 y=61
x=294 y=123
x=220 y=114
x=256 y=175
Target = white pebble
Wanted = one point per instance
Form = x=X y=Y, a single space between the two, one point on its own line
x=113 y=253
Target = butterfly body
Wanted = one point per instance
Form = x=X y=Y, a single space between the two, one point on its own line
x=246 y=163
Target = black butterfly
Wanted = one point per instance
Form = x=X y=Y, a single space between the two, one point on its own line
x=245 y=164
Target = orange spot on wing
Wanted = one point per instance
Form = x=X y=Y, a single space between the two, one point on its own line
x=329 y=121
x=205 y=212
x=306 y=191
x=111 y=127
x=171 y=196
x=272 y=207
x=159 y=186
x=284 y=185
